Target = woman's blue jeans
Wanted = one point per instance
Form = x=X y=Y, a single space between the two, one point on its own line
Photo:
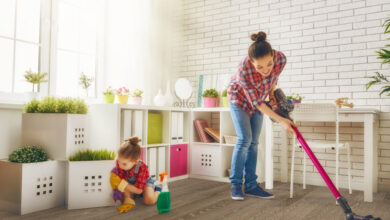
x=245 y=152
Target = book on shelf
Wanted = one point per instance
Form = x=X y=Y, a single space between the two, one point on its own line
x=213 y=133
x=200 y=126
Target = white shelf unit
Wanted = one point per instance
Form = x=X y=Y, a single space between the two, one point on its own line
x=114 y=123
x=219 y=153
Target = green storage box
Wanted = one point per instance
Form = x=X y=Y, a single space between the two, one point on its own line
x=154 y=128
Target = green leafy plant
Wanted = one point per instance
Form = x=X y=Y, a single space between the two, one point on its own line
x=87 y=155
x=28 y=154
x=224 y=93
x=35 y=79
x=295 y=97
x=109 y=91
x=384 y=55
x=85 y=82
x=137 y=93
x=210 y=93
x=54 y=105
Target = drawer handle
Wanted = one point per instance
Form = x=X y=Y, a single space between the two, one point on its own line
x=180 y=138
x=178 y=149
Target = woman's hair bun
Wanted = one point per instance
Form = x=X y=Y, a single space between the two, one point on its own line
x=133 y=140
x=261 y=36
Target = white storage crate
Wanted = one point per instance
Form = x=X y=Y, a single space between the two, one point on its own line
x=60 y=135
x=89 y=184
x=31 y=187
x=206 y=160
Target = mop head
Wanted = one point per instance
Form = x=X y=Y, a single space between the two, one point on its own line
x=349 y=215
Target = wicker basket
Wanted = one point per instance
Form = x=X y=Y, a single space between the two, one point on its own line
x=230 y=139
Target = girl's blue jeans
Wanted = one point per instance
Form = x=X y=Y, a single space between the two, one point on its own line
x=245 y=152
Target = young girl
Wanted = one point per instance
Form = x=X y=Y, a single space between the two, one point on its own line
x=130 y=178
x=257 y=75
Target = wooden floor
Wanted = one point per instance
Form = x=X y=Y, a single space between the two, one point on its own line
x=201 y=199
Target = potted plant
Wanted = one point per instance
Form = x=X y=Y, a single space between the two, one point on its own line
x=136 y=97
x=35 y=78
x=384 y=55
x=123 y=95
x=224 y=99
x=85 y=82
x=30 y=182
x=109 y=95
x=210 y=98
x=88 y=175
x=59 y=125
x=295 y=98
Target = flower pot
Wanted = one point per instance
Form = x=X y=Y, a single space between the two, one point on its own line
x=88 y=184
x=60 y=135
x=225 y=102
x=209 y=102
x=296 y=101
x=31 y=187
x=109 y=98
x=136 y=100
x=122 y=99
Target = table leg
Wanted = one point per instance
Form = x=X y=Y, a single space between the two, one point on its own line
x=369 y=158
x=283 y=156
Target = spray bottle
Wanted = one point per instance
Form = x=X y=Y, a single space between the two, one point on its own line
x=164 y=199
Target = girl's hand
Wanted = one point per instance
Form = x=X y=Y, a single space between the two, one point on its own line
x=287 y=124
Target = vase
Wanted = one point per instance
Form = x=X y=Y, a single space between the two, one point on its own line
x=209 y=102
x=168 y=95
x=122 y=99
x=109 y=98
x=136 y=100
x=225 y=102
x=159 y=99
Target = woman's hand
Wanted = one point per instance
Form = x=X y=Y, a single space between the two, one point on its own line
x=287 y=124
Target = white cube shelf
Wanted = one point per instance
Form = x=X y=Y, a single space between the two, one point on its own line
x=88 y=184
x=31 y=187
x=60 y=135
x=206 y=160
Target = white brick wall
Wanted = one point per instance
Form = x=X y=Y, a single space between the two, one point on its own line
x=330 y=48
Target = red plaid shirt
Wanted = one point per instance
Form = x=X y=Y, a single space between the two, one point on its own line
x=142 y=177
x=248 y=88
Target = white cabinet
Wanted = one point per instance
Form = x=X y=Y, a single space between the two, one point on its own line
x=177 y=129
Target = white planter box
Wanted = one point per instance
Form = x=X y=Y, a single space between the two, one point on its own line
x=30 y=187
x=60 y=135
x=89 y=184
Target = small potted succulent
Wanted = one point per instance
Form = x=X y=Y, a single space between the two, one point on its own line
x=109 y=95
x=35 y=79
x=123 y=95
x=224 y=99
x=210 y=98
x=295 y=98
x=85 y=82
x=136 y=97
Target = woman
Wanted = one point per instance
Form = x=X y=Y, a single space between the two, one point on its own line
x=257 y=75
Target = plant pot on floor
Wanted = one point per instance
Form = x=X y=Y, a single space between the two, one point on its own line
x=209 y=102
x=60 y=135
x=31 y=187
x=88 y=184
x=122 y=99
x=109 y=98
x=136 y=100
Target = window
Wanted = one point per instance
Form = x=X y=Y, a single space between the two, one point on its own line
x=19 y=43
x=76 y=46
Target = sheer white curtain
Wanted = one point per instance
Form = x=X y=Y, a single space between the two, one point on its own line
x=139 y=44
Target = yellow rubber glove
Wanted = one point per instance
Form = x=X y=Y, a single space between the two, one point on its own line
x=118 y=183
x=128 y=204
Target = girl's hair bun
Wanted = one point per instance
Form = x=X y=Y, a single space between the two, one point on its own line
x=133 y=140
x=261 y=36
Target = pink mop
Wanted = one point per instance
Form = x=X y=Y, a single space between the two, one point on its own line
x=283 y=109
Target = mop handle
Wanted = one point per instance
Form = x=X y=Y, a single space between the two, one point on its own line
x=317 y=164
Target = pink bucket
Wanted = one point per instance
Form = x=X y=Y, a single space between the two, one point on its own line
x=209 y=102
